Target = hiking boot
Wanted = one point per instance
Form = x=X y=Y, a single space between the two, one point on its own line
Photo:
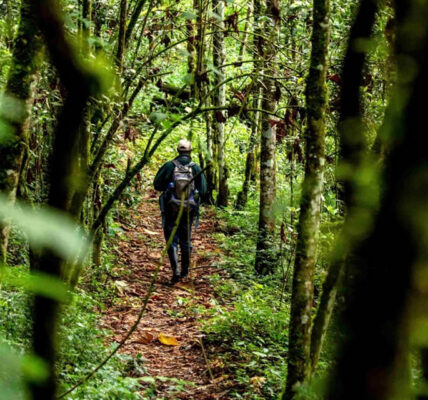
x=173 y=259
x=185 y=262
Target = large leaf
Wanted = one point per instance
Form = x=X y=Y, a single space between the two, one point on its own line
x=36 y=283
x=45 y=228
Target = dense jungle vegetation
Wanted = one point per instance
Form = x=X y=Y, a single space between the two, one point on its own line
x=309 y=274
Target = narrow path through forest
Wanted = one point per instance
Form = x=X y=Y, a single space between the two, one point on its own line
x=172 y=311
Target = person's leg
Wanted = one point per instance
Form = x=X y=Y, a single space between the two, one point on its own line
x=170 y=218
x=185 y=236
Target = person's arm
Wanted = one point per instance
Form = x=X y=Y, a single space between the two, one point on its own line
x=163 y=177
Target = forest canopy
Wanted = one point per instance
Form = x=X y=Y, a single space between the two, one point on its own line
x=297 y=129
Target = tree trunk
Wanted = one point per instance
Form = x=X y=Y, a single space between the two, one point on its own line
x=18 y=87
x=353 y=158
x=9 y=22
x=242 y=50
x=325 y=310
x=121 y=39
x=266 y=254
x=390 y=264
x=310 y=203
x=133 y=20
x=219 y=58
x=77 y=84
x=257 y=96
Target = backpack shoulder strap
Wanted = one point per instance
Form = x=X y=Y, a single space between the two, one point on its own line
x=176 y=163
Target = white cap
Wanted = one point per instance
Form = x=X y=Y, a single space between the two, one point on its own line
x=184 y=146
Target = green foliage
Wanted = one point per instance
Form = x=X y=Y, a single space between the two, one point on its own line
x=82 y=348
x=252 y=340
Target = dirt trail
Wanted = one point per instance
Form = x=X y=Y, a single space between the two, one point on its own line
x=171 y=311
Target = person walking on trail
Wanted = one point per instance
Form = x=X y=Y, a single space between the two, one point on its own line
x=182 y=184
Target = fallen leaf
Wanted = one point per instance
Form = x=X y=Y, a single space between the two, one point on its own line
x=120 y=286
x=168 y=340
x=145 y=337
x=258 y=381
x=150 y=232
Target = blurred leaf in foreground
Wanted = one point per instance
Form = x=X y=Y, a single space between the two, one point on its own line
x=36 y=283
x=45 y=228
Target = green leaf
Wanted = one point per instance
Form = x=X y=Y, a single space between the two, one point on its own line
x=34 y=369
x=189 y=15
x=157 y=116
x=189 y=79
x=5 y=131
x=36 y=283
x=45 y=228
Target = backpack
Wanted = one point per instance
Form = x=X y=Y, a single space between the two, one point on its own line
x=184 y=186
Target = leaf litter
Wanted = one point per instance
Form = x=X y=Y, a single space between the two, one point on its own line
x=169 y=336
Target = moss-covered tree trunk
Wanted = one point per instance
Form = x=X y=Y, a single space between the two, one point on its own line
x=310 y=203
x=219 y=58
x=17 y=114
x=133 y=20
x=8 y=31
x=257 y=96
x=389 y=267
x=243 y=49
x=121 y=38
x=78 y=87
x=353 y=158
x=266 y=254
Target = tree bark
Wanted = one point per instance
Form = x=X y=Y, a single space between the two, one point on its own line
x=219 y=58
x=242 y=50
x=310 y=204
x=352 y=159
x=77 y=85
x=18 y=88
x=9 y=22
x=389 y=266
x=121 y=43
x=133 y=20
x=257 y=96
x=266 y=254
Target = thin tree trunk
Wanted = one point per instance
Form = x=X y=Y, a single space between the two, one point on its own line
x=242 y=50
x=18 y=87
x=9 y=22
x=299 y=365
x=203 y=89
x=219 y=58
x=82 y=165
x=325 y=310
x=77 y=84
x=266 y=254
x=121 y=39
x=257 y=97
x=133 y=20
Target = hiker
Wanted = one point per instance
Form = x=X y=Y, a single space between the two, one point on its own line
x=180 y=179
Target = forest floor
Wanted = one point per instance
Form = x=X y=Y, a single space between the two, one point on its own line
x=180 y=371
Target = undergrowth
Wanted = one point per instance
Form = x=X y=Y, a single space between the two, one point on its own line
x=248 y=332
x=81 y=348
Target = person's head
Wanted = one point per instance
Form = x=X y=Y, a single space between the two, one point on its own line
x=184 y=147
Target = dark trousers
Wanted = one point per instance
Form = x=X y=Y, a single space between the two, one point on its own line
x=182 y=237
